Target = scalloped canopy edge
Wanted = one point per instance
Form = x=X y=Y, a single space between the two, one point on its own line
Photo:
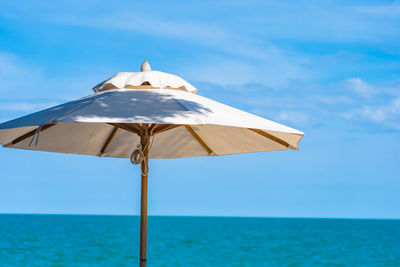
x=145 y=80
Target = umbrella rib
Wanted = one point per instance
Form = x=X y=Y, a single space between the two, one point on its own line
x=152 y=127
x=272 y=137
x=29 y=134
x=130 y=127
x=198 y=138
x=138 y=127
x=164 y=127
x=108 y=141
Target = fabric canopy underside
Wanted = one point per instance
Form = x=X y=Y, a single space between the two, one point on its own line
x=184 y=125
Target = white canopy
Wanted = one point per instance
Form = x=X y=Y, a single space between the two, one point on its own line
x=187 y=125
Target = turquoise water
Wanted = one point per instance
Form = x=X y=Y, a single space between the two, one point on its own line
x=62 y=240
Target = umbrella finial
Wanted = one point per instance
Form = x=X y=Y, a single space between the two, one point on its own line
x=145 y=66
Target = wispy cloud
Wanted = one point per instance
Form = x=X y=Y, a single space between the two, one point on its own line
x=360 y=87
x=386 y=116
x=389 y=9
x=332 y=100
x=27 y=106
x=239 y=49
x=9 y=111
x=21 y=80
x=230 y=52
x=298 y=118
x=277 y=71
x=339 y=22
x=389 y=114
x=233 y=55
x=377 y=104
x=352 y=101
x=150 y=25
x=15 y=73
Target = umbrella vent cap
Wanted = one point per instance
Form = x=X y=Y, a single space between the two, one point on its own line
x=145 y=79
x=145 y=66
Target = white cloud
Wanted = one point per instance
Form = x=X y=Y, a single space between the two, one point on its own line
x=389 y=112
x=346 y=115
x=233 y=57
x=342 y=21
x=379 y=104
x=150 y=25
x=21 y=80
x=188 y=30
x=16 y=74
x=274 y=70
x=391 y=9
x=27 y=107
x=332 y=100
x=387 y=115
x=338 y=21
x=295 y=117
x=360 y=87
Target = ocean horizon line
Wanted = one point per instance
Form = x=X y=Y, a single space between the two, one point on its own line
x=204 y=216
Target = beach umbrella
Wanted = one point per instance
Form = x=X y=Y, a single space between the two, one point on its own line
x=142 y=115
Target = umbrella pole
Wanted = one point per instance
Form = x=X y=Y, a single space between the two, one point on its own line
x=144 y=140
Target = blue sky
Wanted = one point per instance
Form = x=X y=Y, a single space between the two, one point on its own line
x=328 y=68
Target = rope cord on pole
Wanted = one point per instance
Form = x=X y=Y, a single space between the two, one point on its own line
x=138 y=156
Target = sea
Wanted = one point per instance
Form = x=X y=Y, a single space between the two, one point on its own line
x=75 y=240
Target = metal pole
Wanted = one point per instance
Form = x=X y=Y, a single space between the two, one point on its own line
x=144 y=140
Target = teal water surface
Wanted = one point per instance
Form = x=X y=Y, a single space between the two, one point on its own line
x=67 y=240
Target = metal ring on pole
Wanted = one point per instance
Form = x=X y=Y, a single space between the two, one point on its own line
x=137 y=155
